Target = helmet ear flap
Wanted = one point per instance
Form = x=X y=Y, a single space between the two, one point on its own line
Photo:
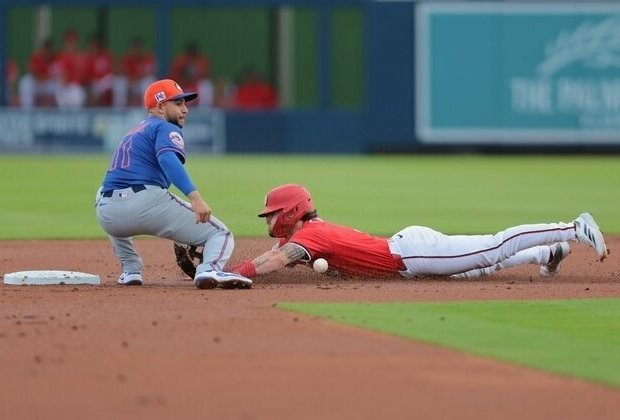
x=293 y=200
x=285 y=222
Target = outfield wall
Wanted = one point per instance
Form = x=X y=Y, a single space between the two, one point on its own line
x=206 y=131
x=96 y=130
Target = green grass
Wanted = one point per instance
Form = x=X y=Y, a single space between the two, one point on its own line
x=579 y=338
x=52 y=196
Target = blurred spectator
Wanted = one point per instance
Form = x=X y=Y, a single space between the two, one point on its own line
x=254 y=93
x=191 y=69
x=138 y=69
x=98 y=72
x=37 y=87
x=68 y=70
x=223 y=91
x=12 y=77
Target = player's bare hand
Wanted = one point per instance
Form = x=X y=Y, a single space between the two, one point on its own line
x=200 y=207
x=202 y=214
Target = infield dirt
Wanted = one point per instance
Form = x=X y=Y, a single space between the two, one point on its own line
x=169 y=351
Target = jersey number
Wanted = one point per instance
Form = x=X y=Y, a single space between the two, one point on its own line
x=121 y=155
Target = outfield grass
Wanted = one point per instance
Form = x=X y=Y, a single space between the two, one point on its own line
x=52 y=196
x=573 y=337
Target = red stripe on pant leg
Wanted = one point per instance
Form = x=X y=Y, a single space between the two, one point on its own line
x=488 y=249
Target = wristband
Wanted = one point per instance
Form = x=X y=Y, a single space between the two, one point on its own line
x=246 y=269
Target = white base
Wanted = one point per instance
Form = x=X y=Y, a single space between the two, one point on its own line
x=50 y=277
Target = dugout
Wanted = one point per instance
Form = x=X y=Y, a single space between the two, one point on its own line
x=358 y=76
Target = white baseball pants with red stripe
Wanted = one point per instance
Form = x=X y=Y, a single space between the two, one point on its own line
x=538 y=255
x=425 y=251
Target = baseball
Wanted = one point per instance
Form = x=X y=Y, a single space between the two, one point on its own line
x=320 y=265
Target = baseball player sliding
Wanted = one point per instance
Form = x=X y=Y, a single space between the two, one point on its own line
x=134 y=198
x=415 y=250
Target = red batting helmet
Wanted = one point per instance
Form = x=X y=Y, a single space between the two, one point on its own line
x=294 y=200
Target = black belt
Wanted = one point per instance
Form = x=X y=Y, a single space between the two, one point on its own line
x=135 y=188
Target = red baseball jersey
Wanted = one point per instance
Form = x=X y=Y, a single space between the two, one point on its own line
x=97 y=65
x=136 y=66
x=40 y=65
x=346 y=249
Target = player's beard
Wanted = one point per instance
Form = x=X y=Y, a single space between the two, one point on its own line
x=174 y=120
x=271 y=225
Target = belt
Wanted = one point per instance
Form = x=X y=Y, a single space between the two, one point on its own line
x=135 y=188
x=400 y=265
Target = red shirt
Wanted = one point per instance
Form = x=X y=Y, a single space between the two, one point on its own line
x=136 y=66
x=98 y=65
x=69 y=66
x=40 y=65
x=12 y=71
x=255 y=95
x=346 y=249
x=188 y=70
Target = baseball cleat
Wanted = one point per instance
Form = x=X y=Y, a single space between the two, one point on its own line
x=588 y=232
x=557 y=253
x=213 y=279
x=130 y=279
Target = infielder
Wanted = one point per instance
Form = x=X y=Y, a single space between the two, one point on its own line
x=415 y=250
x=134 y=198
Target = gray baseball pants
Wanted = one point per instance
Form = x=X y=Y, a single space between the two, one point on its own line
x=155 y=211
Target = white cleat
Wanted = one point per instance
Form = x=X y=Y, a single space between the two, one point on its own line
x=213 y=279
x=558 y=252
x=130 y=279
x=588 y=232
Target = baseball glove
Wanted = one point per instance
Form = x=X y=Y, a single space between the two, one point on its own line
x=185 y=256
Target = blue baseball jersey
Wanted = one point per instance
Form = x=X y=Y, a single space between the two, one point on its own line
x=135 y=159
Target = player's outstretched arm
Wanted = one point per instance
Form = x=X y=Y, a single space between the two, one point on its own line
x=272 y=260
